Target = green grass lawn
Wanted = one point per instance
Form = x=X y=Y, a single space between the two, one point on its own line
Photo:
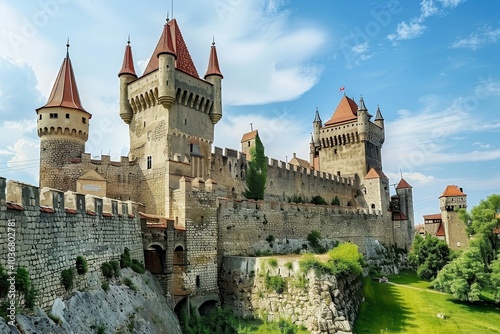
x=400 y=309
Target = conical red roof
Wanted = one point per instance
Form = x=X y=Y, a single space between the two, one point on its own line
x=403 y=184
x=346 y=111
x=375 y=173
x=65 y=92
x=452 y=191
x=184 y=61
x=128 y=62
x=213 y=63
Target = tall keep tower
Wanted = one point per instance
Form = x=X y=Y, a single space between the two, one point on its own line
x=452 y=199
x=171 y=113
x=63 y=128
x=348 y=144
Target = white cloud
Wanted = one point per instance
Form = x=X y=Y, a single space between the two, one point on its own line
x=482 y=37
x=481 y=145
x=413 y=178
x=415 y=26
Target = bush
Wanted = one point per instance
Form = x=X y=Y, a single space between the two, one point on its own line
x=276 y=283
x=128 y=282
x=115 y=266
x=125 y=260
x=273 y=263
x=105 y=286
x=289 y=265
x=67 y=278
x=270 y=238
x=23 y=281
x=101 y=329
x=4 y=284
x=314 y=239
x=107 y=270
x=318 y=200
x=344 y=259
x=336 y=201
x=137 y=266
x=30 y=298
x=81 y=265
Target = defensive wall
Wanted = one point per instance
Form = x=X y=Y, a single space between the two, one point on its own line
x=52 y=228
x=228 y=169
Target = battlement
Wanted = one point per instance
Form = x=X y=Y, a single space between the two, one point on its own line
x=20 y=196
x=105 y=160
x=228 y=154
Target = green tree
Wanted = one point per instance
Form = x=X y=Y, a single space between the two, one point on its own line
x=429 y=255
x=477 y=268
x=257 y=172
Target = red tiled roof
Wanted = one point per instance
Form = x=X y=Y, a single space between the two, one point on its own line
x=165 y=44
x=128 y=62
x=184 y=61
x=451 y=191
x=440 y=231
x=346 y=111
x=403 y=184
x=433 y=216
x=213 y=63
x=375 y=173
x=65 y=92
x=249 y=135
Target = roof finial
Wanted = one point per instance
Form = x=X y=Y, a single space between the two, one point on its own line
x=128 y=39
x=400 y=172
x=213 y=40
x=67 y=48
x=167 y=16
x=251 y=126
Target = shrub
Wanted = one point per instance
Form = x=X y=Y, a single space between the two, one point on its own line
x=107 y=270
x=67 y=278
x=4 y=284
x=270 y=238
x=318 y=200
x=81 y=265
x=276 y=283
x=125 y=260
x=30 y=298
x=23 y=281
x=336 y=201
x=301 y=282
x=101 y=329
x=314 y=239
x=346 y=259
x=115 y=266
x=105 y=286
x=289 y=265
x=128 y=282
x=137 y=266
x=273 y=263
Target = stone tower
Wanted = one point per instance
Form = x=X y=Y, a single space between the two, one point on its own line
x=171 y=113
x=63 y=128
x=348 y=144
x=452 y=199
x=405 y=193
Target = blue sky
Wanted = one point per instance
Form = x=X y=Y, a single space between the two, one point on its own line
x=431 y=65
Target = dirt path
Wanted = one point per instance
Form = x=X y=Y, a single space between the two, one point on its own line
x=415 y=288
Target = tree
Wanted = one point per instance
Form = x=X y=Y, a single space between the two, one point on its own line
x=257 y=172
x=478 y=268
x=429 y=255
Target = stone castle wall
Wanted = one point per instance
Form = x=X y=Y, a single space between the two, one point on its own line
x=49 y=238
x=284 y=180
x=244 y=226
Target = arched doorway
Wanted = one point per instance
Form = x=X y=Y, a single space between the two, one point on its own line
x=154 y=258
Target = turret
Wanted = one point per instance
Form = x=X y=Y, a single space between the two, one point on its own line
x=166 y=68
x=379 y=121
x=316 y=126
x=126 y=75
x=63 y=128
x=363 y=120
x=214 y=76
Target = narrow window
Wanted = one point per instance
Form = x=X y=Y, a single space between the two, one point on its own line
x=67 y=116
x=54 y=115
x=84 y=120
x=40 y=116
x=149 y=162
x=197 y=281
x=185 y=121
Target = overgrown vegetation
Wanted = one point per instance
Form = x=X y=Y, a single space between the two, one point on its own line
x=81 y=265
x=127 y=262
x=101 y=329
x=477 y=269
x=68 y=278
x=429 y=255
x=335 y=201
x=23 y=288
x=297 y=198
x=128 y=282
x=342 y=260
x=318 y=200
x=314 y=238
x=105 y=286
x=257 y=172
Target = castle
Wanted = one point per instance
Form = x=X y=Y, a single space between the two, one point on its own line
x=187 y=197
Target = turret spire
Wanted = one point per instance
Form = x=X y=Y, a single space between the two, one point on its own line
x=128 y=61
x=378 y=116
x=362 y=104
x=166 y=45
x=317 y=118
x=65 y=91
x=213 y=62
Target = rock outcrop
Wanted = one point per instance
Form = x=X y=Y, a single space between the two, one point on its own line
x=139 y=307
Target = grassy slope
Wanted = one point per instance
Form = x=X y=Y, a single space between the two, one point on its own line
x=395 y=309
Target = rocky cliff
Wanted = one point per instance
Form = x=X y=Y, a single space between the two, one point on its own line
x=134 y=308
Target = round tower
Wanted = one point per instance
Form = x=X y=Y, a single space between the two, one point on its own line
x=316 y=128
x=363 y=126
x=63 y=128
x=127 y=75
x=214 y=76
x=166 y=69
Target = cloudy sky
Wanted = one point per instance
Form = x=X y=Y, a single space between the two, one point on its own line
x=432 y=66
